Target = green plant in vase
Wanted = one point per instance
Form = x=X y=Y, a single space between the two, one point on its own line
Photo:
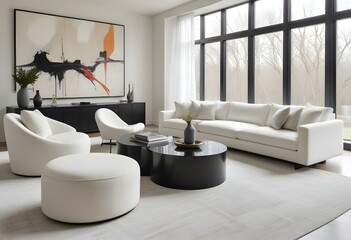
x=24 y=78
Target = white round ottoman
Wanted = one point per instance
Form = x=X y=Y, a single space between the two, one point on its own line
x=90 y=187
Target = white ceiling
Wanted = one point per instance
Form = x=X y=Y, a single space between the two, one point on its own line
x=145 y=7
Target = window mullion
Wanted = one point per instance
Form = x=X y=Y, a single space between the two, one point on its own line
x=251 y=54
x=202 y=58
x=287 y=54
x=223 y=64
x=330 y=55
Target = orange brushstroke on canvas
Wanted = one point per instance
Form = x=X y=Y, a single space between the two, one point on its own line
x=109 y=46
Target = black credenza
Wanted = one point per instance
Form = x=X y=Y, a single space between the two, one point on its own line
x=82 y=117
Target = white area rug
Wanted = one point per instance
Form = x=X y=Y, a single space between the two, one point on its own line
x=262 y=198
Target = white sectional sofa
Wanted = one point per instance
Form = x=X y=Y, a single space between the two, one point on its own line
x=304 y=135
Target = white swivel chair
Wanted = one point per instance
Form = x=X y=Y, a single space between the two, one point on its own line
x=31 y=146
x=111 y=126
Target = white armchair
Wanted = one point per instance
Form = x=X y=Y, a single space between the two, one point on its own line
x=29 y=151
x=111 y=126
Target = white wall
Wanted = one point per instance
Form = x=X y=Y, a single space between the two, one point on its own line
x=138 y=46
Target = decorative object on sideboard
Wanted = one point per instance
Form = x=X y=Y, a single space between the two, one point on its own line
x=130 y=95
x=23 y=97
x=24 y=78
x=189 y=131
x=54 y=101
x=37 y=100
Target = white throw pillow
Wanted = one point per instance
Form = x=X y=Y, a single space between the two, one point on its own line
x=248 y=112
x=293 y=119
x=279 y=118
x=326 y=111
x=195 y=108
x=36 y=122
x=273 y=109
x=182 y=108
x=222 y=110
x=207 y=111
x=309 y=115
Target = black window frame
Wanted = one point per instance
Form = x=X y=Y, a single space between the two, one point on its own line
x=330 y=19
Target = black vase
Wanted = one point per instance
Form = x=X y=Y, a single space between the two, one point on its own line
x=37 y=100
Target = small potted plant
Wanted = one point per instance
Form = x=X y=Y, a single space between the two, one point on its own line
x=24 y=78
x=189 y=131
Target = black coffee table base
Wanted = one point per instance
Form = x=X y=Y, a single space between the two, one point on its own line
x=188 y=172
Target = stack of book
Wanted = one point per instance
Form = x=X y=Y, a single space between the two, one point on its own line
x=151 y=139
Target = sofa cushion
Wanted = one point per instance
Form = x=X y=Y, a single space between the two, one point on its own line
x=309 y=115
x=207 y=111
x=273 y=109
x=222 y=110
x=249 y=113
x=268 y=136
x=326 y=111
x=223 y=128
x=293 y=118
x=36 y=122
x=195 y=108
x=279 y=118
x=182 y=108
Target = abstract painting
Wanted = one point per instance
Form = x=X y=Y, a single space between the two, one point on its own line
x=76 y=57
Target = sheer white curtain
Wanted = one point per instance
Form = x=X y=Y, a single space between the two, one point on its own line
x=179 y=60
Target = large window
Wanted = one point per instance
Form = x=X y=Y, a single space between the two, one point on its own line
x=269 y=68
x=268 y=12
x=237 y=56
x=308 y=65
x=307 y=8
x=237 y=18
x=253 y=52
x=212 y=71
x=213 y=25
x=343 y=75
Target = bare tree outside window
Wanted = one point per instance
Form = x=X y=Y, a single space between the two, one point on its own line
x=237 y=18
x=269 y=68
x=343 y=5
x=212 y=71
x=268 y=12
x=213 y=24
x=308 y=65
x=237 y=67
x=343 y=75
x=197 y=70
x=307 y=8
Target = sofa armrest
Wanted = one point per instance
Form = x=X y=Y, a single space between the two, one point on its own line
x=165 y=114
x=162 y=116
x=320 y=141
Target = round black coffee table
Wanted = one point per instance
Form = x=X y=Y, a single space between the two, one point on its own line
x=137 y=151
x=185 y=168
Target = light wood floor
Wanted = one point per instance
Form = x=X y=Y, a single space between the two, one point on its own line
x=340 y=228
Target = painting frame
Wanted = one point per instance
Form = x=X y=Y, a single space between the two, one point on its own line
x=77 y=57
